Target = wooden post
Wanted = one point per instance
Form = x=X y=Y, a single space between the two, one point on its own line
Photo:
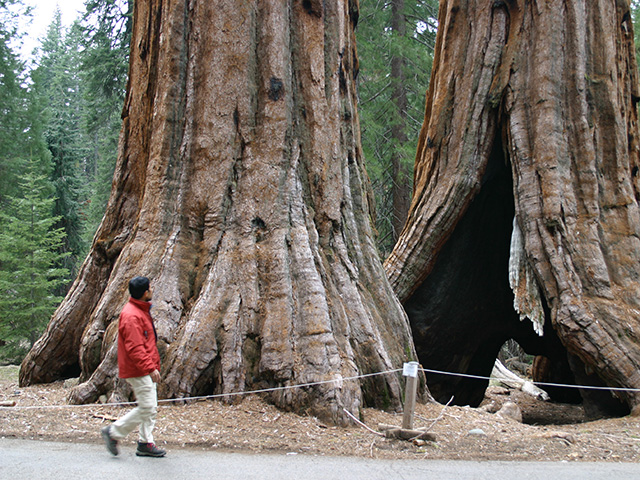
x=410 y=371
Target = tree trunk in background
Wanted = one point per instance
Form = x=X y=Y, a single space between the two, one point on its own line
x=401 y=189
x=532 y=113
x=240 y=191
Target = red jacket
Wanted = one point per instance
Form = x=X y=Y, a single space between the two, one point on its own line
x=137 y=351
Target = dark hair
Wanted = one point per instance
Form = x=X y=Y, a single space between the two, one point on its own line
x=137 y=287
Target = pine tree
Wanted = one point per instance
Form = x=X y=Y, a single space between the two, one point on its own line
x=28 y=242
x=105 y=66
x=13 y=99
x=29 y=253
x=57 y=83
x=635 y=14
x=395 y=47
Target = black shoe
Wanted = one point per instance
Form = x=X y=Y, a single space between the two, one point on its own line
x=111 y=443
x=149 y=450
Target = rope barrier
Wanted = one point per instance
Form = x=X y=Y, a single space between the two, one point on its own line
x=206 y=397
x=285 y=387
x=310 y=384
x=538 y=384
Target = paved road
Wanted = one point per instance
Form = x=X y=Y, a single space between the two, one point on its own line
x=24 y=459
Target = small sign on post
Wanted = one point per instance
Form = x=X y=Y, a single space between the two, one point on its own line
x=410 y=371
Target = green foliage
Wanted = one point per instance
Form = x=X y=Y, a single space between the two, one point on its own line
x=81 y=74
x=26 y=236
x=635 y=16
x=29 y=253
x=57 y=86
x=105 y=65
x=106 y=36
x=392 y=102
x=59 y=127
x=14 y=119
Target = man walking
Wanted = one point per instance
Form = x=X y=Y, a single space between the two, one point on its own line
x=139 y=365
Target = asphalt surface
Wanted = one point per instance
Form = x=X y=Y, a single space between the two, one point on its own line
x=24 y=459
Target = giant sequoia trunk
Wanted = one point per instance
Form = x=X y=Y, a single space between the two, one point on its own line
x=527 y=181
x=240 y=191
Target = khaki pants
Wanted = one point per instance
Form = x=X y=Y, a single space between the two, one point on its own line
x=143 y=415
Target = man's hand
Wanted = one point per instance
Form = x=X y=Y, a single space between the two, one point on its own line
x=155 y=376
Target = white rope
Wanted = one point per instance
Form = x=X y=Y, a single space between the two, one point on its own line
x=303 y=385
x=352 y=416
x=205 y=397
x=583 y=387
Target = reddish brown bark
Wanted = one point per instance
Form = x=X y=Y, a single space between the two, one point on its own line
x=240 y=191
x=547 y=91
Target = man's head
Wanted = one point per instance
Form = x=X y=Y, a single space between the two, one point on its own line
x=139 y=288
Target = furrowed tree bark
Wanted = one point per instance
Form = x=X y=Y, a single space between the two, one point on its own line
x=240 y=191
x=531 y=113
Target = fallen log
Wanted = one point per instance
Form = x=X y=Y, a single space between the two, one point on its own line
x=510 y=379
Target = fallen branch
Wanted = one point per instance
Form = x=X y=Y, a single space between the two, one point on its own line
x=621 y=437
x=441 y=414
x=104 y=417
x=567 y=438
x=8 y=404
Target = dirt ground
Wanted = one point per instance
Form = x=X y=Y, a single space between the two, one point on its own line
x=549 y=432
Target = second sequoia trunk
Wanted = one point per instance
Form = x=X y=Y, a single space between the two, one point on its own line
x=527 y=181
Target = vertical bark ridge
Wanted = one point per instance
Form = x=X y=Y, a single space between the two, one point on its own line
x=456 y=140
x=565 y=91
x=157 y=233
x=588 y=222
x=252 y=217
x=56 y=352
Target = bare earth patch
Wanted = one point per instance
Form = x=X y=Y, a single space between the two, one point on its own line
x=252 y=425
